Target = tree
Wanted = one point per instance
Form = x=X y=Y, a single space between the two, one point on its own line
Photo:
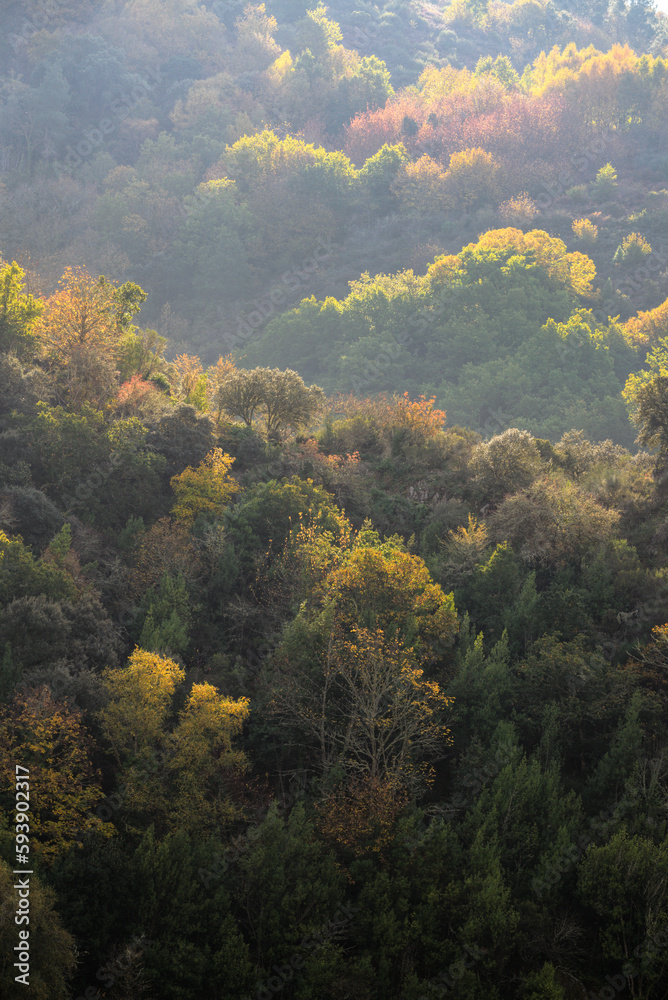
x=379 y=586
x=194 y=946
x=285 y=886
x=166 y=548
x=349 y=671
x=379 y=717
x=421 y=187
x=552 y=522
x=53 y=951
x=625 y=882
x=79 y=334
x=215 y=381
x=19 y=313
x=168 y=617
x=175 y=773
x=204 y=490
x=203 y=755
x=606 y=181
x=471 y=179
x=633 y=250
x=647 y=328
x=380 y=171
x=361 y=814
x=21 y=575
x=140 y=698
x=280 y=398
x=255 y=47
x=49 y=738
x=647 y=395
x=188 y=381
x=505 y=464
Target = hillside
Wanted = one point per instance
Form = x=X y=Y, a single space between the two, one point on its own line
x=333 y=500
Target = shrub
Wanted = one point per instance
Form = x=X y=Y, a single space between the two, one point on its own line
x=606 y=181
x=577 y=193
x=518 y=211
x=633 y=250
x=585 y=230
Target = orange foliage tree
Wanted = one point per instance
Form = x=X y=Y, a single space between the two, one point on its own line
x=361 y=815
x=216 y=377
x=647 y=328
x=78 y=335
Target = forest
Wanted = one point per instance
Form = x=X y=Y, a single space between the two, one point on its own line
x=333 y=500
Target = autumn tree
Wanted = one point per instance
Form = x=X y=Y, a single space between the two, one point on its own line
x=370 y=711
x=373 y=621
x=255 y=46
x=79 y=334
x=471 y=178
x=647 y=395
x=216 y=376
x=204 y=490
x=175 y=773
x=421 y=187
x=648 y=327
x=361 y=815
x=379 y=586
x=49 y=738
x=188 y=381
x=139 y=398
x=139 y=701
x=203 y=753
x=19 y=312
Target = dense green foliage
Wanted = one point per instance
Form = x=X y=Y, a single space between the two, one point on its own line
x=333 y=577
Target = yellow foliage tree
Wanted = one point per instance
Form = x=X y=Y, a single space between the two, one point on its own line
x=585 y=230
x=575 y=270
x=140 y=697
x=204 y=490
x=647 y=328
x=471 y=179
x=187 y=379
x=177 y=777
x=216 y=377
x=78 y=335
x=373 y=713
x=393 y=591
x=49 y=738
x=420 y=186
x=202 y=753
